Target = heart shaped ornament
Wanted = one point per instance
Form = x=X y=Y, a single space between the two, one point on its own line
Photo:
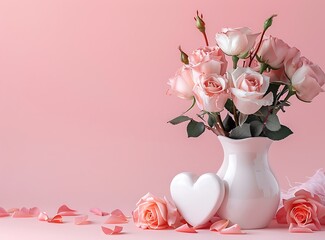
x=197 y=198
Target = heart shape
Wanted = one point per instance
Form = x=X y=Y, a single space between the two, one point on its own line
x=197 y=198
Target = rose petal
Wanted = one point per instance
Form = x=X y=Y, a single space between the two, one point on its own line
x=4 y=213
x=186 y=229
x=116 y=230
x=81 y=220
x=43 y=216
x=219 y=225
x=234 y=229
x=12 y=210
x=281 y=216
x=118 y=213
x=293 y=228
x=64 y=210
x=56 y=219
x=112 y=219
x=26 y=213
x=98 y=212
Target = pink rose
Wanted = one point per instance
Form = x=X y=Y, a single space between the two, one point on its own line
x=302 y=212
x=273 y=52
x=292 y=62
x=308 y=80
x=248 y=90
x=236 y=41
x=277 y=75
x=181 y=85
x=211 y=93
x=155 y=213
x=208 y=60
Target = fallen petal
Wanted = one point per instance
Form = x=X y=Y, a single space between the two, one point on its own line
x=296 y=229
x=185 y=228
x=81 y=220
x=4 y=213
x=119 y=213
x=116 y=230
x=219 y=225
x=98 y=212
x=112 y=219
x=56 y=219
x=64 y=210
x=12 y=210
x=43 y=216
x=234 y=229
x=26 y=213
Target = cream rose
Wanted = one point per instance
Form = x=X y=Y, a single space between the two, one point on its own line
x=211 y=93
x=249 y=88
x=236 y=41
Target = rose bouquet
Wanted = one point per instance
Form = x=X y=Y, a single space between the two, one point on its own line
x=265 y=73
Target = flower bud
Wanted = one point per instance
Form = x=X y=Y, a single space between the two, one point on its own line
x=184 y=56
x=200 y=24
x=268 y=22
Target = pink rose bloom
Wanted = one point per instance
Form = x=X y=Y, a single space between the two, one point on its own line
x=277 y=75
x=302 y=212
x=248 y=90
x=308 y=81
x=236 y=41
x=273 y=52
x=292 y=62
x=181 y=85
x=208 y=60
x=211 y=93
x=155 y=213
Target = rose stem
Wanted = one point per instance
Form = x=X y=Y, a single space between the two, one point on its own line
x=206 y=39
x=219 y=120
x=258 y=47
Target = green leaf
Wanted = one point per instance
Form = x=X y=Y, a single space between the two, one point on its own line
x=195 y=129
x=256 y=128
x=212 y=120
x=242 y=118
x=179 y=120
x=230 y=106
x=278 y=135
x=272 y=123
x=263 y=112
x=229 y=123
x=273 y=87
x=241 y=132
x=252 y=118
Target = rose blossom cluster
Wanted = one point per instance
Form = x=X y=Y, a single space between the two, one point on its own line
x=270 y=69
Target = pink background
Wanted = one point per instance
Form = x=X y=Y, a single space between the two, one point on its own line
x=83 y=98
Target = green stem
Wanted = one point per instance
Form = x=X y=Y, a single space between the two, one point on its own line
x=291 y=92
x=219 y=120
x=235 y=61
x=235 y=115
x=263 y=67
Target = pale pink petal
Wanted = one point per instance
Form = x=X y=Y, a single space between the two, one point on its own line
x=118 y=213
x=26 y=213
x=112 y=219
x=116 y=230
x=81 y=220
x=185 y=228
x=293 y=228
x=12 y=210
x=98 y=212
x=43 y=216
x=234 y=229
x=4 y=213
x=56 y=219
x=64 y=210
x=219 y=225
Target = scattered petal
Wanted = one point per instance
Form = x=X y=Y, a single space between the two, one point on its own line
x=64 y=210
x=12 y=210
x=219 y=225
x=116 y=230
x=186 y=229
x=116 y=220
x=56 y=219
x=81 y=220
x=4 y=213
x=118 y=213
x=98 y=212
x=43 y=216
x=26 y=213
x=234 y=229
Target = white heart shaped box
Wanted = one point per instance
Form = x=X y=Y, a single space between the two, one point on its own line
x=197 y=198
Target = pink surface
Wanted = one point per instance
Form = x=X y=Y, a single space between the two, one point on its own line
x=84 y=111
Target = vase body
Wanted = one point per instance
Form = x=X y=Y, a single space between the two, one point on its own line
x=252 y=193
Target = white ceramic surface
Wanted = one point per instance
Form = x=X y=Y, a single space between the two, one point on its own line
x=197 y=198
x=252 y=193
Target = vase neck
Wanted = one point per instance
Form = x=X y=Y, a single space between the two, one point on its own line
x=247 y=145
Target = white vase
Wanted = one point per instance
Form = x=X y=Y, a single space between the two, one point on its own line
x=252 y=193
